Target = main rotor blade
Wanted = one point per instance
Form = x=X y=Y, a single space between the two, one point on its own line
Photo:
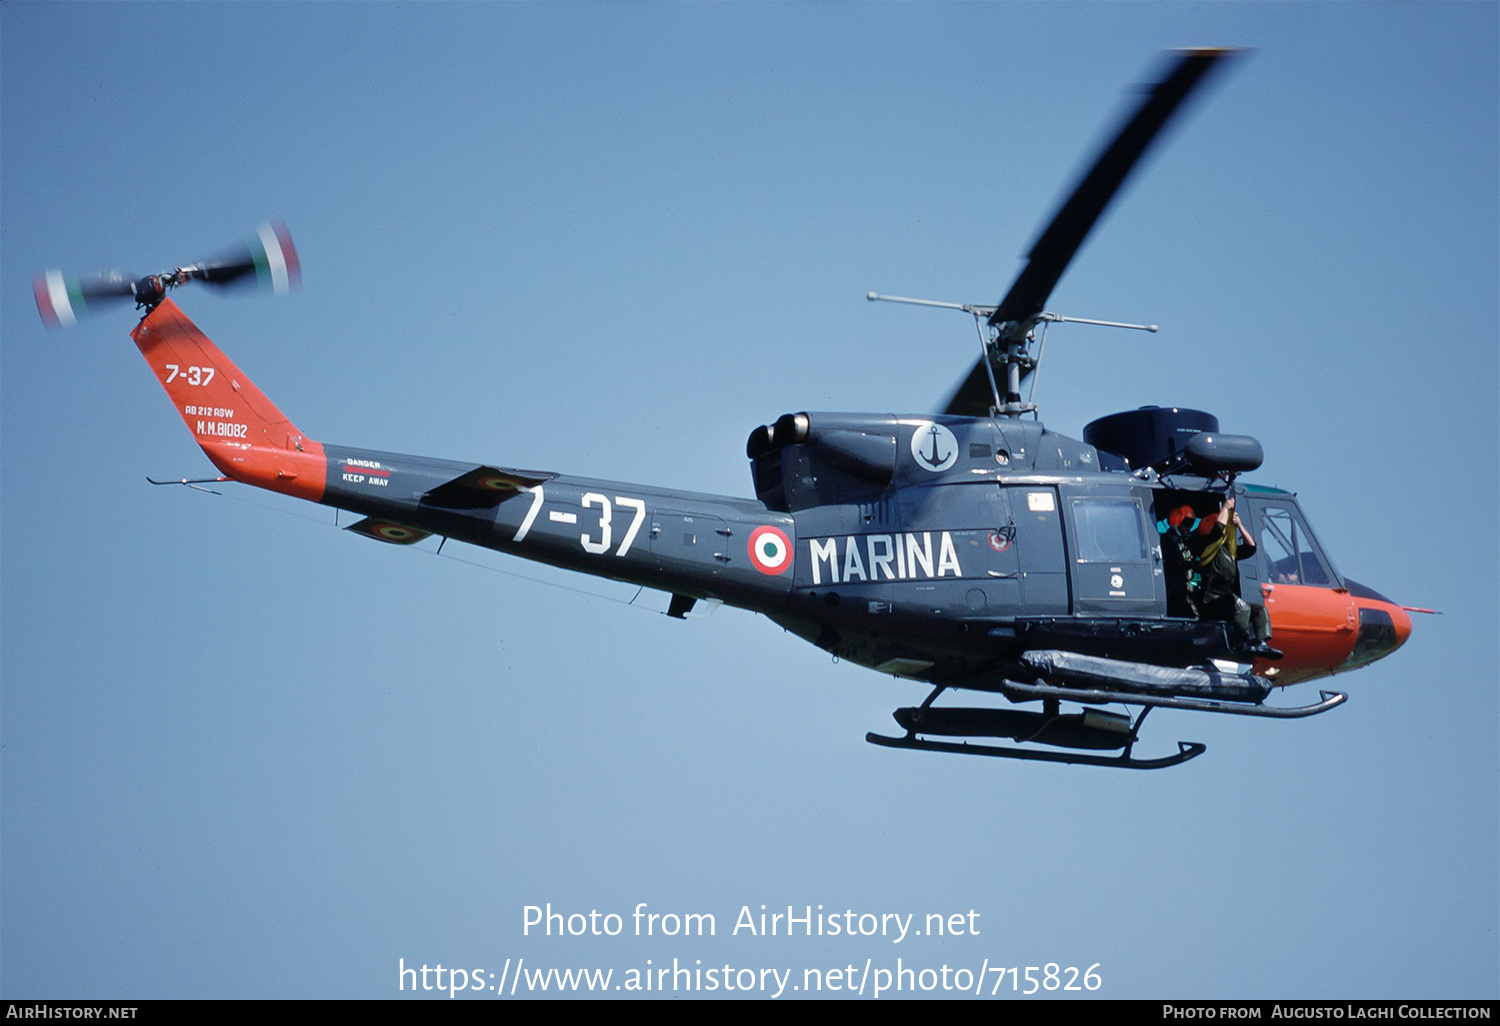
x=1056 y=246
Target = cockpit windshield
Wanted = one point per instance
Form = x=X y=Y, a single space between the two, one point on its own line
x=1290 y=554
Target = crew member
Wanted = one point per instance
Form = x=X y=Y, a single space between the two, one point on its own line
x=1220 y=543
x=1183 y=580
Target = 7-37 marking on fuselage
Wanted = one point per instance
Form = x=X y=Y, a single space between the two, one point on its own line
x=605 y=527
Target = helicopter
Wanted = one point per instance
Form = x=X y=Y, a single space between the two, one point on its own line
x=971 y=549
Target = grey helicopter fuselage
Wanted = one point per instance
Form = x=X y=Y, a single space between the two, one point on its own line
x=931 y=547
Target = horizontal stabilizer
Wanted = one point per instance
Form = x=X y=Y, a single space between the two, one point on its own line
x=388 y=531
x=482 y=487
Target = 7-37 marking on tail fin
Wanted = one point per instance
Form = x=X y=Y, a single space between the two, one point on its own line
x=194 y=375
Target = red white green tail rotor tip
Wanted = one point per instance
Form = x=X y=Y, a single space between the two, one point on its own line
x=268 y=260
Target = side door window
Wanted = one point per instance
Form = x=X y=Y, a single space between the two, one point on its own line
x=1109 y=530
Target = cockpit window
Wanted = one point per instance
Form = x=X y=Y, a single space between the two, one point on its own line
x=1109 y=530
x=1288 y=549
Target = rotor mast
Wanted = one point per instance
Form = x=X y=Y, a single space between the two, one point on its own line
x=1007 y=347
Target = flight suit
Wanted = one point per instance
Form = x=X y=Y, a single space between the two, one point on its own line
x=1217 y=555
x=1181 y=570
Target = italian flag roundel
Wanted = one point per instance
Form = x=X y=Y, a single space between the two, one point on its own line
x=770 y=550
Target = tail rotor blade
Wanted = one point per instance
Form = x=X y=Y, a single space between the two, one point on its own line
x=268 y=259
x=62 y=298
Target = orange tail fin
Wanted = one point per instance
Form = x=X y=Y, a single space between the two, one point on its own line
x=242 y=431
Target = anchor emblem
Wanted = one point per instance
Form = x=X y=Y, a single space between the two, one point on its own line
x=933 y=447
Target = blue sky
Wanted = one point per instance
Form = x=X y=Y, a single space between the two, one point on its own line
x=245 y=754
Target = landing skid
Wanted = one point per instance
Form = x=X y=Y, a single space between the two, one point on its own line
x=1073 y=731
x=1186 y=750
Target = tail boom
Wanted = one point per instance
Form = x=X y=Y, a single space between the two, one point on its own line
x=703 y=546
